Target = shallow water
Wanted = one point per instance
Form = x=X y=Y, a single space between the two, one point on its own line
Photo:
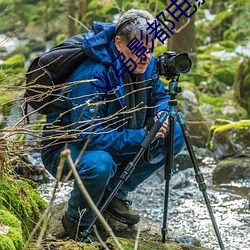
x=188 y=215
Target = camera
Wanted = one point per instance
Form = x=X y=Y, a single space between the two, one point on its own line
x=172 y=65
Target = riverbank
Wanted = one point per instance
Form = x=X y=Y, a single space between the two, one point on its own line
x=188 y=215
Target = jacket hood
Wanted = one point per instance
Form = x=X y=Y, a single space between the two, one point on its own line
x=98 y=43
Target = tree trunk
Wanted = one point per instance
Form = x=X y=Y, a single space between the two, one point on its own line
x=83 y=8
x=72 y=13
x=184 y=40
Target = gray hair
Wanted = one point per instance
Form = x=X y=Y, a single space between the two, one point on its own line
x=132 y=22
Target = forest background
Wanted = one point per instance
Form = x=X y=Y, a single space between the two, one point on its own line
x=216 y=37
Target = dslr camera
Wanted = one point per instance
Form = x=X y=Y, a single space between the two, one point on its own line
x=172 y=65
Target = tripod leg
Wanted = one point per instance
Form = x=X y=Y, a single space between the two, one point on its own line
x=199 y=177
x=168 y=173
x=129 y=168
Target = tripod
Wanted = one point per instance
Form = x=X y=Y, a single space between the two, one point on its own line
x=169 y=163
x=173 y=90
x=129 y=169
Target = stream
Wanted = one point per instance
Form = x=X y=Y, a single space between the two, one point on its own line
x=187 y=212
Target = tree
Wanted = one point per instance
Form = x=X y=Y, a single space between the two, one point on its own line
x=184 y=39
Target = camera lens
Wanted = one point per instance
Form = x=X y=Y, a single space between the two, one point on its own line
x=182 y=63
x=171 y=65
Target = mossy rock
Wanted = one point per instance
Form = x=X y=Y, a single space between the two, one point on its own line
x=232 y=139
x=150 y=235
x=128 y=244
x=242 y=84
x=22 y=200
x=225 y=75
x=221 y=107
x=10 y=231
x=231 y=169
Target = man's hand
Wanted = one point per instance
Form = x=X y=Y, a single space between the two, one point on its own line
x=164 y=128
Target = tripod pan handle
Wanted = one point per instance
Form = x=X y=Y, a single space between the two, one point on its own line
x=153 y=131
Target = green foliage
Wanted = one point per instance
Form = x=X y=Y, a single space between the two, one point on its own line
x=16 y=61
x=218 y=104
x=6 y=243
x=13 y=239
x=12 y=67
x=21 y=199
x=224 y=75
x=242 y=84
x=214 y=101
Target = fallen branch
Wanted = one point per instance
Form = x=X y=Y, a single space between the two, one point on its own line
x=66 y=154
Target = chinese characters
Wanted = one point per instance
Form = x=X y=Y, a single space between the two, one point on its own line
x=162 y=28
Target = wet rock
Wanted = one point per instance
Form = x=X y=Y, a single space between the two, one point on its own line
x=31 y=167
x=150 y=234
x=181 y=179
x=197 y=125
x=232 y=139
x=231 y=169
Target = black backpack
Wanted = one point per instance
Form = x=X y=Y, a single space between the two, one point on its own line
x=47 y=74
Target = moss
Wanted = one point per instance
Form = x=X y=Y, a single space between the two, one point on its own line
x=212 y=100
x=229 y=45
x=236 y=125
x=221 y=134
x=6 y=243
x=160 y=49
x=242 y=84
x=16 y=237
x=60 y=38
x=22 y=200
x=17 y=61
x=219 y=104
x=221 y=23
x=225 y=75
x=13 y=71
x=13 y=239
x=10 y=220
x=128 y=244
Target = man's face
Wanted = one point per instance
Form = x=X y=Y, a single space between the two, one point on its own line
x=141 y=64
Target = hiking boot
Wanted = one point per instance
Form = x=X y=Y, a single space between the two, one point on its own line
x=121 y=211
x=75 y=231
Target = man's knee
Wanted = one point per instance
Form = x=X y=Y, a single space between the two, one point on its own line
x=97 y=165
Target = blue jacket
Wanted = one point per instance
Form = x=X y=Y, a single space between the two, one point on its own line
x=102 y=123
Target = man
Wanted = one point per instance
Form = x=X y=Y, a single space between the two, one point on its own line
x=111 y=129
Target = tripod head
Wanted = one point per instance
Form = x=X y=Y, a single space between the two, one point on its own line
x=174 y=89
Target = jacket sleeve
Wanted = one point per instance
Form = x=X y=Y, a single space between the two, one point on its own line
x=88 y=118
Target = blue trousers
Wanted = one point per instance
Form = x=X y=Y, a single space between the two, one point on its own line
x=100 y=170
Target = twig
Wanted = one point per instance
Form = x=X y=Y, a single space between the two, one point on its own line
x=137 y=236
x=66 y=154
x=99 y=238
x=45 y=217
x=77 y=21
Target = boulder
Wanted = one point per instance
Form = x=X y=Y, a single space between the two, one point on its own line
x=197 y=125
x=232 y=139
x=231 y=169
x=150 y=235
